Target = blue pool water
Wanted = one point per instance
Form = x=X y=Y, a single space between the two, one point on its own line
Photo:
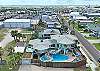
x=55 y=58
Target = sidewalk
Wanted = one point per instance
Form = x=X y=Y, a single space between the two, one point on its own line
x=37 y=68
x=89 y=62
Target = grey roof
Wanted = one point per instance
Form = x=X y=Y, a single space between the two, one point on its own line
x=94 y=27
x=51 y=22
x=51 y=31
x=42 y=45
x=86 y=21
x=63 y=39
x=74 y=13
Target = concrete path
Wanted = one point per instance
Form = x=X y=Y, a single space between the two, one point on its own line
x=8 y=38
x=89 y=62
x=36 y=68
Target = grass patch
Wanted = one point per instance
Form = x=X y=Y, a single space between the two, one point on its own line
x=76 y=69
x=1 y=36
x=26 y=31
x=97 y=45
x=88 y=69
x=2 y=31
x=12 y=43
x=79 y=69
x=92 y=38
x=6 y=68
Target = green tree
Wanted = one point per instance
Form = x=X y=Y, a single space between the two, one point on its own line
x=1 y=53
x=41 y=24
x=14 y=34
x=19 y=35
x=10 y=50
x=23 y=36
x=73 y=24
x=69 y=22
x=78 y=22
x=35 y=35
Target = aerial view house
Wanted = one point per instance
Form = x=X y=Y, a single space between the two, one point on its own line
x=59 y=51
x=17 y=23
x=1 y=25
x=92 y=14
x=47 y=32
x=53 y=24
x=79 y=18
x=85 y=22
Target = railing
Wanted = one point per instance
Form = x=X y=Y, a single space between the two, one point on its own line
x=61 y=64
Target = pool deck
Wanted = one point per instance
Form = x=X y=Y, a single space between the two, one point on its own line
x=37 y=68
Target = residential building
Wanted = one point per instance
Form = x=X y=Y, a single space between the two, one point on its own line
x=48 y=32
x=17 y=23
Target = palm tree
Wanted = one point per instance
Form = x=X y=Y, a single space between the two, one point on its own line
x=69 y=22
x=14 y=34
x=19 y=35
x=73 y=23
x=1 y=53
x=40 y=22
x=78 y=22
x=23 y=36
x=62 y=22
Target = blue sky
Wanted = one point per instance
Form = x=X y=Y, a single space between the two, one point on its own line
x=49 y=2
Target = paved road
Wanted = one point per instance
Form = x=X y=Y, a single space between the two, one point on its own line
x=89 y=47
x=37 y=68
x=6 y=40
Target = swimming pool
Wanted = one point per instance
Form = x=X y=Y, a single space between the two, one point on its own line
x=54 y=58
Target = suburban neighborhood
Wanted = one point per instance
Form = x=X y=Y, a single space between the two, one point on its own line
x=50 y=38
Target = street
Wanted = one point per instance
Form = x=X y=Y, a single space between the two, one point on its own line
x=87 y=45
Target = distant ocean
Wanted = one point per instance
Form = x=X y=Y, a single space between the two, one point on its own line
x=49 y=2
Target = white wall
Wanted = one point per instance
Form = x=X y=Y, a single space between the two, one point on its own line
x=16 y=24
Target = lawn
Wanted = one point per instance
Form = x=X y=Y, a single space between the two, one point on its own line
x=92 y=38
x=78 y=69
x=6 y=68
x=11 y=44
x=6 y=57
x=1 y=36
x=97 y=45
x=26 y=31
x=2 y=31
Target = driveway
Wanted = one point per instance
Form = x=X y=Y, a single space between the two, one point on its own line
x=37 y=68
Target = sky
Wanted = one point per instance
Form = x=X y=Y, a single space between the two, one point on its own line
x=49 y=2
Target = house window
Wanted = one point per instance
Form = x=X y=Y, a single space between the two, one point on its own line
x=53 y=45
x=58 y=45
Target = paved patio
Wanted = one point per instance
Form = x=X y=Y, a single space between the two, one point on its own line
x=36 y=68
